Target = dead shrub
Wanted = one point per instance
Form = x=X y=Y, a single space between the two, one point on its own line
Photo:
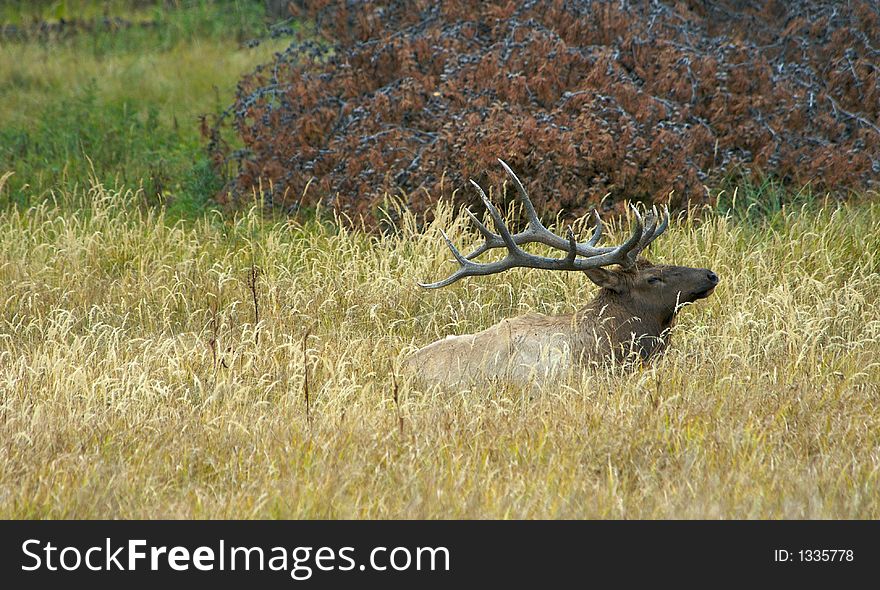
x=584 y=99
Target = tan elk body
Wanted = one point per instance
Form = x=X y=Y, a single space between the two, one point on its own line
x=629 y=318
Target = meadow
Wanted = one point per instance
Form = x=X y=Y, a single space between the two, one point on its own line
x=123 y=105
x=162 y=359
x=138 y=381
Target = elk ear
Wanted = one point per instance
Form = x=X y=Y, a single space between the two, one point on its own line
x=605 y=278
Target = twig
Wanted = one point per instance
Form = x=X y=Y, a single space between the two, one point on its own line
x=862 y=120
x=252 y=284
x=306 y=378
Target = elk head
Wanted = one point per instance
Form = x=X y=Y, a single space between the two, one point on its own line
x=653 y=290
x=647 y=292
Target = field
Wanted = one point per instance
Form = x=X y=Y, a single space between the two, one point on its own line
x=161 y=359
x=137 y=383
x=123 y=105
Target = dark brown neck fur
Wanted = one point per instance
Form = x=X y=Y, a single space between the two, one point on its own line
x=625 y=330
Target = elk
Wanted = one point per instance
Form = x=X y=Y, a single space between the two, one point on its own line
x=629 y=319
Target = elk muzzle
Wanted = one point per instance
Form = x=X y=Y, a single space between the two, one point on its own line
x=706 y=285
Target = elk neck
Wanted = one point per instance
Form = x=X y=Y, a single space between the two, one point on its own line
x=621 y=319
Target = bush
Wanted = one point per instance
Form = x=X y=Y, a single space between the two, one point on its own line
x=583 y=99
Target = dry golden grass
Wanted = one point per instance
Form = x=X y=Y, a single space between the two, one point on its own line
x=113 y=404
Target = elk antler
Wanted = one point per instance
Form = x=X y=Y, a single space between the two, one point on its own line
x=592 y=257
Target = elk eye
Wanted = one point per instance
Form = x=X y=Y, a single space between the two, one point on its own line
x=654 y=280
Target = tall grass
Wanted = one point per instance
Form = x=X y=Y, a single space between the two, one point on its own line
x=134 y=382
x=125 y=105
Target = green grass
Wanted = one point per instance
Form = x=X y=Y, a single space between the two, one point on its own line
x=177 y=20
x=24 y=11
x=125 y=105
x=137 y=383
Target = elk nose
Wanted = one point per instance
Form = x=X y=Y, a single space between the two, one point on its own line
x=713 y=278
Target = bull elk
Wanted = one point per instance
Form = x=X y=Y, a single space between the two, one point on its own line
x=628 y=319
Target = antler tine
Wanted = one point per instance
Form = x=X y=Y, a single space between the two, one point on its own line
x=487 y=233
x=597 y=231
x=648 y=231
x=664 y=224
x=625 y=250
x=499 y=221
x=534 y=222
x=493 y=240
x=652 y=232
x=459 y=274
x=461 y=259
x=572 y=247
x=535 y=231
x=517 y=257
